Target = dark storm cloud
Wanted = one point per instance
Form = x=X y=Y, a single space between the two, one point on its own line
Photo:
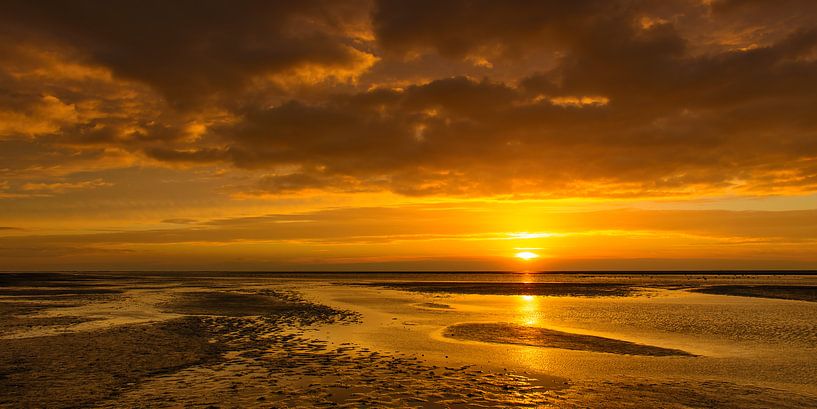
x=461 y=27
x=708 y=122
x=633 y=107
x=640 y=98
x=189 y=50
x=458 y=28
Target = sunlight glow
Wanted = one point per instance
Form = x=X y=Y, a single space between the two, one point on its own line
x=526 y=235
x=526 y=255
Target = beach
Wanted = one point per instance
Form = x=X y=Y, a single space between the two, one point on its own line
x=434 y=340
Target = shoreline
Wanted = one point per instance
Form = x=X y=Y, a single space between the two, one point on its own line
x=171 y=340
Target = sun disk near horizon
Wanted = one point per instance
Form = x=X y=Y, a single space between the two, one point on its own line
x=526 y=255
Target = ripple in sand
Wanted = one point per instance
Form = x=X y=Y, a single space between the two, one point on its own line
x=434 y=306
x=504 y=333
x=784 y=292
x=237 y=304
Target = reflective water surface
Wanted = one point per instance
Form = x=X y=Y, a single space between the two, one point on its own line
x=430 y=340
x=756 y=341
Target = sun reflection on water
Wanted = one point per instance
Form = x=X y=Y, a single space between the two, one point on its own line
x=528 y=310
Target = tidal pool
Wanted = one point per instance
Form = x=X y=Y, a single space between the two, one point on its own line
x=407 y=340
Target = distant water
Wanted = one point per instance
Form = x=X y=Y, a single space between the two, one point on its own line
x=660 y=277
x=741 y=340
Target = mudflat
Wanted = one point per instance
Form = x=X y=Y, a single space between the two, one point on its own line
x=542 y=289
x=81 y=368
x=156 y=340
x=505 y=333
x=783 y=292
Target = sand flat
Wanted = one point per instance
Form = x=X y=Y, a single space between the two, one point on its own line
x=783 y=292
x=77 y=369
x=493 y=288
x=507 y=333
x=256 y=340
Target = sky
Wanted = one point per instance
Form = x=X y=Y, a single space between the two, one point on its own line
x=408 y=135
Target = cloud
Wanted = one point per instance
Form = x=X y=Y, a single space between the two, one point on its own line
x=43 y=117
x=180 y=221
x=706 y=124
x=62 y=187
x=471 y=29
x=278 y=184
x=465 y=28
x=189 y=50
x=468 y=221
x=441 y=234
x=605 y=98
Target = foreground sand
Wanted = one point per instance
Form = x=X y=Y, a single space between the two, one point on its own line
x=80 y=340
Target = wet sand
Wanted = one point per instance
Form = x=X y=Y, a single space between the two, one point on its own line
x=783 y=292
x=504 y=333
x=200 y=340
x=543 y=289
x=78 y=369
x=229 y=348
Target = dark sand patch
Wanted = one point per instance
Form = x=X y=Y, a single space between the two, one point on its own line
x=22 y=308
x=17 y=292
x=434 y=306
x=8 y=309
x=15 y=316
x=28 y=293
x=504 y=333
x=12 y=324
x=71 y=370
x=276 y=362
x=546 y=289
x=40 y=279
x=233 y=304
x=73 y=280
x=784 y=292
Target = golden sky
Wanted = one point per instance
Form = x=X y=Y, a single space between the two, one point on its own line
x=416 y=135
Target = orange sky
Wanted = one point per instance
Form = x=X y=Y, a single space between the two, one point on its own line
x=433 y=135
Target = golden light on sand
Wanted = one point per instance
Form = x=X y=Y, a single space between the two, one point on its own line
x=526 y=255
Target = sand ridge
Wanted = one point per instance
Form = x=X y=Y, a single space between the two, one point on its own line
x=507 y=333
x=534 y=288
x=783 y=292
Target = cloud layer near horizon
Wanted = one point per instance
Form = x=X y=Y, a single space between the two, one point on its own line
x=463 y=236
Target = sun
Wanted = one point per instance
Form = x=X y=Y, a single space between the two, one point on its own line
x=526 y=255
